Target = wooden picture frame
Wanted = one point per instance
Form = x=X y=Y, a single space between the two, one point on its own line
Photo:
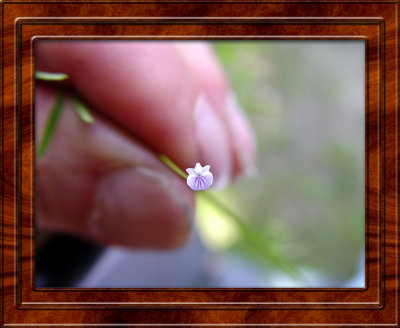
x=375 y=22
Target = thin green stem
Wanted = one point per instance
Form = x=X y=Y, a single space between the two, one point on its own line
x=260 y=245
x=173 y=166
x=52 y=122
x=262 y=249
x=81 y=109
x=257 y=242
x=48 y=76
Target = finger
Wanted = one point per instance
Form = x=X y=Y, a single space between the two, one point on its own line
x=201 y=60
x=147 y=88
x=97 y=182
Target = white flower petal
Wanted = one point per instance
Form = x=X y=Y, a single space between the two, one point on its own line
x=199 y=178
x=202 y=182
x=205 y=169
x=208 y=179
x=190 y=171
x=198 y=168
x=191 y=182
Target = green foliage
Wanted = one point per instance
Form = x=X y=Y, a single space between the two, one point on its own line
x=47 y=76
x=259 y=246
x=54 y=117
x=81 y=109
x=52 y=122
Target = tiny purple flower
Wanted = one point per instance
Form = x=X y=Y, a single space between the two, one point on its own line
x=200 y=178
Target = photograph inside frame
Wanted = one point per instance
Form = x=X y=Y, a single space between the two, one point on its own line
x=200 y=164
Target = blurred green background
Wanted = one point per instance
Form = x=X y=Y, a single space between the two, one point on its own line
x=303 y=212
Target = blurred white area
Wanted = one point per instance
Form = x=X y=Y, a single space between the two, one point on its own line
x=194 y=267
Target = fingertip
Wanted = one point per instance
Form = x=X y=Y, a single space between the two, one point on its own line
x=150 y=95
x=242 y=136
x=97 y=182
x=214 y=147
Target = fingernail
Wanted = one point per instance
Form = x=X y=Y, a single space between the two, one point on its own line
x=213 y=142
x=242 y=134
x=139 y=207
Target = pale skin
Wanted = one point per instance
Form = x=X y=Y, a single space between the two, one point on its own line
x=104 y=181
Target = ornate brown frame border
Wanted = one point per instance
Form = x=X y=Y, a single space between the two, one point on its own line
x=375 y=22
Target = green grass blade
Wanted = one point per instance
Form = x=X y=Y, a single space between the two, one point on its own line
x=81 y=109
x=173 y=166
x=47 y=76
x=260 y=247
x=52 y=122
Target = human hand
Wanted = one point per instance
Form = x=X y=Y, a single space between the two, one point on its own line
x=104 y=181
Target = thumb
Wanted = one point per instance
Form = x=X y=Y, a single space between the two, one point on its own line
x=97 y=182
